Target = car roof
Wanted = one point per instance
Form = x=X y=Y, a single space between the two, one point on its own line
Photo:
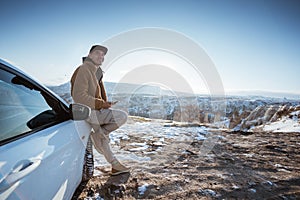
x=16 y=69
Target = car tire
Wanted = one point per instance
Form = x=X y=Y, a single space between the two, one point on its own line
x=88 y=166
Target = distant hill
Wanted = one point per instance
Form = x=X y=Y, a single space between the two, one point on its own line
x=260 y=93
x=128 y=88
x=240 y=111
x=120 y=88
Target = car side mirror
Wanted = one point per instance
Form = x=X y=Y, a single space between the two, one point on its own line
x=79 y=111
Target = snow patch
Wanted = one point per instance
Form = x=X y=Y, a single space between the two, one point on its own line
x=142 y=189
x=284 y=125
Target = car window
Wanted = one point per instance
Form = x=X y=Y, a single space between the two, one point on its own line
x=24 y=108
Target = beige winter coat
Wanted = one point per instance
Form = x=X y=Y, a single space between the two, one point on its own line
x=86 y=88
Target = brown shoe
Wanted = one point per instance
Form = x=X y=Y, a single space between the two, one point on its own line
x=118 y=168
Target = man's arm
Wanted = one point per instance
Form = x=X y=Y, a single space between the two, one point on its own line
x=103 y=92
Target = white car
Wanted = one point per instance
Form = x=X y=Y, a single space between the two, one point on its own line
x=45 y=150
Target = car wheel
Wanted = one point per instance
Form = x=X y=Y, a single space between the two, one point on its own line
x=88 y=167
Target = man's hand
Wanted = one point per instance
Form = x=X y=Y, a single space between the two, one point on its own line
x=106 y=105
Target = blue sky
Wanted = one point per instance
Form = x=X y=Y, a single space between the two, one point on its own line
x=255 y=45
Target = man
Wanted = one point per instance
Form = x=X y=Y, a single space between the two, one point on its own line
x=87 y=88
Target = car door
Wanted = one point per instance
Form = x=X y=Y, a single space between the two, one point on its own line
x=41 y=148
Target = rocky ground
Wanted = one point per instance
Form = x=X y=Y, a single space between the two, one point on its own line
x=190 y=162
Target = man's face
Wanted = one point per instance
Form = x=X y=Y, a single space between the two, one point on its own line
x=97 y=56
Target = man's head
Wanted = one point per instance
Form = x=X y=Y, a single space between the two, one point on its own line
x=97 y=53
